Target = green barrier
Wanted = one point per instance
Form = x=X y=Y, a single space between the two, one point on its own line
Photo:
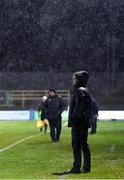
x=37 y=115
x=65 y=116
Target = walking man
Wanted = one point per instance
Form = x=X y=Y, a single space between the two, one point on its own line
x=54 y=107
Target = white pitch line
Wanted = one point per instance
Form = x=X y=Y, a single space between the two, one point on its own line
x=65 y=124
x=14 y=144
x=112 y=148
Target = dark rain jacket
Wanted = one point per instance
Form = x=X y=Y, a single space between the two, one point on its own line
x=80 y=108
x=54 y=107
x=94 y=108
x=42 y=109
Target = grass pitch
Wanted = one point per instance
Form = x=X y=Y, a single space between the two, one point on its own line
x=38 y=158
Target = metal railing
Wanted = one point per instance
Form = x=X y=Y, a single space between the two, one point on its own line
x=26 y=99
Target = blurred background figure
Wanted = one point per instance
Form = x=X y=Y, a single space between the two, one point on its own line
x=94 y=115
x=41 y=112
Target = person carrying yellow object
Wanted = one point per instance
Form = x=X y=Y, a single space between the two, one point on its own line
x=43 y=121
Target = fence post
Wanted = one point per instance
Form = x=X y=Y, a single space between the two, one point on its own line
x=23 y=99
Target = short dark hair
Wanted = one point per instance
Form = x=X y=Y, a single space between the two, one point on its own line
x=52 y=90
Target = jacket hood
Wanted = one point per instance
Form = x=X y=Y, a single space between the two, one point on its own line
x=82 y=77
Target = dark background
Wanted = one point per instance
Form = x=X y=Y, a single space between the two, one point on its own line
x=42 y=42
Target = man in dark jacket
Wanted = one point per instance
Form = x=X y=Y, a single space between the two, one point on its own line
x=54 y=107
x=79 y=120
x=94 y=115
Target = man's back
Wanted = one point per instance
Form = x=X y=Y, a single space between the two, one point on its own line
x=80 y=107
x=79 y=120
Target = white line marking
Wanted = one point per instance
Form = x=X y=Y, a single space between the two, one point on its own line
x=112 y=148
x=14 y=144
x=65 y=124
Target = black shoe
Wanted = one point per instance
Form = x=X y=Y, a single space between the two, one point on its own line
x=75 y=171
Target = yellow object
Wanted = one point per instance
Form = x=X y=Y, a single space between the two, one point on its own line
x=40 y=123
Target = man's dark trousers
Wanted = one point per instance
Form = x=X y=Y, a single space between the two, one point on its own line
x=79 y=144
x=55 y=129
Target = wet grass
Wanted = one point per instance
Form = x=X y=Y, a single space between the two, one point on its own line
x=38 y=158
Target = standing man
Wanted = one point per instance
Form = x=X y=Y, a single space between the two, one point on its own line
x=94 y=115
x=54 y=107
x=79 y=120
